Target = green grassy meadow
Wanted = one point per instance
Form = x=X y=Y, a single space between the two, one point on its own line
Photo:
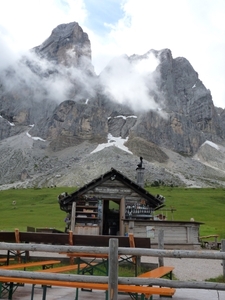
x=204 y=205
x=40 y=208
x=34 y=207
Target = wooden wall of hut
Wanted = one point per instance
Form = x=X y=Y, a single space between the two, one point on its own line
x=177 y=234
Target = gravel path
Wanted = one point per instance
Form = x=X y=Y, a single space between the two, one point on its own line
x=191 y=268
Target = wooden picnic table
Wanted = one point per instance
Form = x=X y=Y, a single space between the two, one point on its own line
x=10 y=287
x=95 y=261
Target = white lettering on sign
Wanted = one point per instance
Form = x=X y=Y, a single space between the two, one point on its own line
x=111 y=190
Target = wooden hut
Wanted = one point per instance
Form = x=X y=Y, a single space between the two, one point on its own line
x=112 y=204
x=101 y=206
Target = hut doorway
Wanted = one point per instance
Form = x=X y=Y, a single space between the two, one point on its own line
x=112 y=217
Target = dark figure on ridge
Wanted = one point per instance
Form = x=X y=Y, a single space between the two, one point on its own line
x=139 y=166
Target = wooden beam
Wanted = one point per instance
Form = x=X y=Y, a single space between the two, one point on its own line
x=223 y=250
x=73 y=217
x=17 y=239
x=161 y=246
x=122 y=216
x=113 y=269
x=71 y=243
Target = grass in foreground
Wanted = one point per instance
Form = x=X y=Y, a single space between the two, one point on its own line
x=219 y=279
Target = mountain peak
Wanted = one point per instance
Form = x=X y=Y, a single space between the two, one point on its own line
x=68 y=44
x=154 y=104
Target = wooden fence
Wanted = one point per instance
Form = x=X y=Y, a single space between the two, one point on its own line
x=113 y=251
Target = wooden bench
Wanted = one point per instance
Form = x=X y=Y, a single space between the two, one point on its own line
x=65 y=239
x=4 y=260
x=158 y=273
x=75 y=239
x=10 y=287
x=43 y=263
x=135 y=260
x=62 y=269
x=146 y=291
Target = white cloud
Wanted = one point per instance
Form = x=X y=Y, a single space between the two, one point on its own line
x=125 y=82
x=29 y=23
x=193 y=29
x=58 y=86
x=189 y=28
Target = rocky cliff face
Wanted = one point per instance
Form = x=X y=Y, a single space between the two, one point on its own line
x=57 y=70
x=55 y=111
x=73 y=123
x=69 y=46
x=189 y=116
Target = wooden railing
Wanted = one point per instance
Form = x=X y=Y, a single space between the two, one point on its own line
x=114 y=251
x=70 y=239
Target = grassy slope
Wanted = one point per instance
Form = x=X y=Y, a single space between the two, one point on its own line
x=204 y=205
x=40 y=208
x=34 y=207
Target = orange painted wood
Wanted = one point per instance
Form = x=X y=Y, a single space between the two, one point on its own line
x=98 y=286
x=4 y=259
x=17 y=238
x=30 y=264
x=71 y=243
x=157 y=273
x=132 y=245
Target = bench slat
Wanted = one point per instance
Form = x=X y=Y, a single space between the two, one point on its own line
x=5 y=259
x=148 y=290
x=31 y=264
x=157 y=273
x=65 y=268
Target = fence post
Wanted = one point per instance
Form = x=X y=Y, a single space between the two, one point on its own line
x=223 y=250
x=113 y=269
x=17 y=238
x=73 y=216
x=161 y=246
x=71 y=243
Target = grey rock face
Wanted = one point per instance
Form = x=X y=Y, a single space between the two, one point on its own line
x=120 y=125
x=55 y=89
x=68 y=45
x=73 y=123
x=190 y=116
x=211 y=154
x=58 y=69
x=151 y=152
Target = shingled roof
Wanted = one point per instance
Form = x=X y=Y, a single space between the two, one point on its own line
x=113 y=173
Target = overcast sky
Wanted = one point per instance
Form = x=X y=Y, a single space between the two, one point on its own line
x=194 y=29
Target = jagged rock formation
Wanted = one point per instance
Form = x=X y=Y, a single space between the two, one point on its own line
x=58 y=69
x=211 y=155
x=189 y=116
x=68 y=45
x=73 y=123
x=73 y=111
